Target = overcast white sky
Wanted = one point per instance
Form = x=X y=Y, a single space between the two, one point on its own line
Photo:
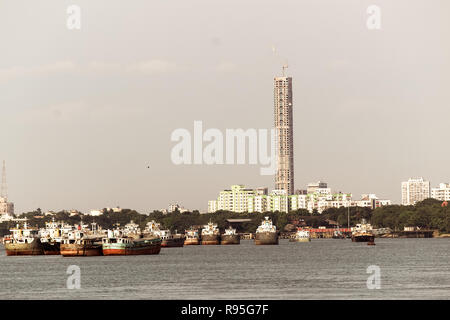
x=84 y=112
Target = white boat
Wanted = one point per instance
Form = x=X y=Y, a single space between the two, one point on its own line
x=230 y=237
x=266 y=233
x=191 y=237
x=210 y=229
x=210 y=234
x=301 y=236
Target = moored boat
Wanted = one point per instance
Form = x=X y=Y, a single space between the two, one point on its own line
x=266 y=233
x=230 y=237
x=362 y=232
x=50 y=246
x=23 y=242
x=51 y=236
x=168 y=240
x=210 y=234
x=301 y=236
x=191 y=237
x=77 y=244
x=119 y=245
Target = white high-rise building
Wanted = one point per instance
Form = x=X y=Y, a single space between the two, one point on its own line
x=441 y=193
x=283 y=123
x=415 y=190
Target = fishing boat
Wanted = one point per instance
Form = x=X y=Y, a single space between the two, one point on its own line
x=210 y=234
x=23 y=242
x=362 y=232
x=266 y=233
x=301 y=236
x=117 y=244
x=79 y=244
x=230 y=237
x=191 y=237
x=168 y=240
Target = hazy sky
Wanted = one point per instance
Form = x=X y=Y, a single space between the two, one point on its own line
x=84 y=112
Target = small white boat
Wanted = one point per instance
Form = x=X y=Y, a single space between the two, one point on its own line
x=301 y=236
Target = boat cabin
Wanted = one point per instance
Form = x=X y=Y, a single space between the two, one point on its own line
x=117 y=240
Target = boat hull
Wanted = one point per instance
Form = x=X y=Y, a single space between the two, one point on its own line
x=210 y=239
x=300 y=240
x=191 y=242
x=51 y=248
x=172 y=242
x=230 y=239
x=135 y=248
x=363 y=238
x=81 y=250
x=24 y=249
x=266 y=238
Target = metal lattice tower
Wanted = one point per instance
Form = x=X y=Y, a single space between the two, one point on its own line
x=4 y=190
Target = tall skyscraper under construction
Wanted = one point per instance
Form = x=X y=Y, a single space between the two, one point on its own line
x=284 y=179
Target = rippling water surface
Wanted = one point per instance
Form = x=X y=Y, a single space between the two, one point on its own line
x=321 y=269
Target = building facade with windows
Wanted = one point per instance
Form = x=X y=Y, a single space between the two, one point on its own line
x=415 y=190
x=240 y=199
x=442 y=192
x=235 y=199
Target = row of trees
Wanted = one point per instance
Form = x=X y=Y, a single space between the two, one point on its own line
x=428 y=214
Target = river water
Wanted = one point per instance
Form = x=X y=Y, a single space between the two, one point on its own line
x=321 y=269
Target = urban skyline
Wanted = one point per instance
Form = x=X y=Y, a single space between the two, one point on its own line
x=220 y=152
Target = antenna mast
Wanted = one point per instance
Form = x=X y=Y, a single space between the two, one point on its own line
x=285 y=66
x=4 y=190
